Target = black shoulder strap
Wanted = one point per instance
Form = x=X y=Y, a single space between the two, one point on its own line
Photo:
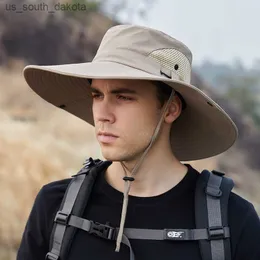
x=211 y=212
x=74 y=203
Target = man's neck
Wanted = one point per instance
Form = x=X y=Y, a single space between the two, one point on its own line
x=156 y=175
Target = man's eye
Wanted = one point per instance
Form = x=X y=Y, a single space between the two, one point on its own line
x=98 y=96
x=95 y=96
x=124 y=98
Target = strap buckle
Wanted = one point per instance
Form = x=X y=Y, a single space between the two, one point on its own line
x=88 y=164
x=216 y=233
x=91 y=162
x=101 y=230
x=62 y=218
x=51 y=256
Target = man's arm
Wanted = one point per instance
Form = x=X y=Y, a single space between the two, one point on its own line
x=248 y=246
x=34 y=244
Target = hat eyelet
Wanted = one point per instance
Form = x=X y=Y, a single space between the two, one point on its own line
x=176 y=66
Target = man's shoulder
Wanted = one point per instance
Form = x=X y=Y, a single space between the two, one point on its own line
x=51 y=194
x=55 y=188
x=45 y=206
x=244 y=225
x=58 y=185
x=239 y=204
x=242 y=213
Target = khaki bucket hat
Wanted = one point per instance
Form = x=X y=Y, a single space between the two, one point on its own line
x=203 y=130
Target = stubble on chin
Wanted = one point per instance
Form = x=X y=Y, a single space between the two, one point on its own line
x=128 y=149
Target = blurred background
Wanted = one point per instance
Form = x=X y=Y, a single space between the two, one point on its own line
x=39 y=143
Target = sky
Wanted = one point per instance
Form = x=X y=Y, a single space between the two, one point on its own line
x=221 y=30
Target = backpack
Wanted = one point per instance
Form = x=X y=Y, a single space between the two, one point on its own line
x=211 y=215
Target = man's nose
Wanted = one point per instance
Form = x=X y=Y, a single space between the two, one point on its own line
x=104 y=111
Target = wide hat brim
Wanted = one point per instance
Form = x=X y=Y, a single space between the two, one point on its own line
x=203 y=130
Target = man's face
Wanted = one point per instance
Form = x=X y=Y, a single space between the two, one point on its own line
x=127 y=109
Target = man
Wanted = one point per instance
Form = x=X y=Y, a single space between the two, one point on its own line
x=148 y=118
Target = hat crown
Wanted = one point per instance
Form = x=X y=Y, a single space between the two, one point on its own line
x=146 y=49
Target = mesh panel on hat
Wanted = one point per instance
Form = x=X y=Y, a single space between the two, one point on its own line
x=170 y=58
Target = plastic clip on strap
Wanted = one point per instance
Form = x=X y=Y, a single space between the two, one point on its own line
x=51 y=256
x=61 y=218
x=87 y=164
x=100 y=230
x=216 y=233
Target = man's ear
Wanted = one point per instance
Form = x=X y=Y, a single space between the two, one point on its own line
x=174 y=110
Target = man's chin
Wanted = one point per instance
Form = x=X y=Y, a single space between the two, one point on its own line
x=117 y=156
x=113 y=157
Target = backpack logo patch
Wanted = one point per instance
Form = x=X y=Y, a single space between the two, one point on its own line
x=175 y=234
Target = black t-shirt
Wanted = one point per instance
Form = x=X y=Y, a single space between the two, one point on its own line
x=172 y=209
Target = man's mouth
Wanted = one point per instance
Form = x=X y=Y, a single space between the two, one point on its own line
x=106 y=137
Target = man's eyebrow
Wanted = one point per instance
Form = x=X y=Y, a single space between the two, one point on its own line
x=115 y=91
